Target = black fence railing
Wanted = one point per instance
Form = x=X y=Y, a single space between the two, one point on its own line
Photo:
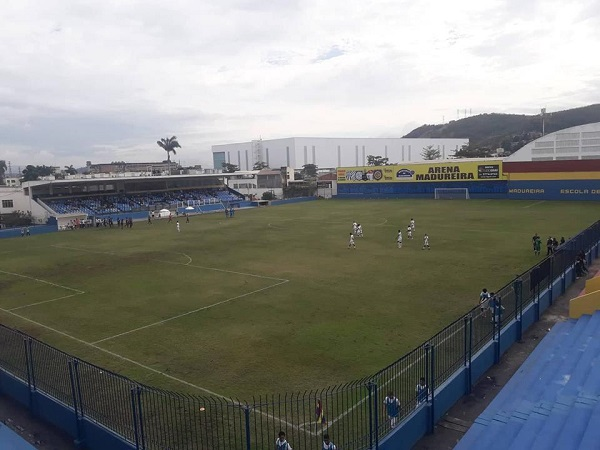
x=354 y=414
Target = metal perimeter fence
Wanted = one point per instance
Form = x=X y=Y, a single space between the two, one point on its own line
x=352 y=414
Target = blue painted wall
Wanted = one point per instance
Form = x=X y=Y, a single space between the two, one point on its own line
x=515 y=190
x=491 y=189
x=554 y=190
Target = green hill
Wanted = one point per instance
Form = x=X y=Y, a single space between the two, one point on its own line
x=509 y=131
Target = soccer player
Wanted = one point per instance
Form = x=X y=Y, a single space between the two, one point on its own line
x=412 y=224
x=426 y=242
x=178 y=229
x=422 y=391
x=354 y=227
x=392 y=408
x=281 y=443
x=537 y=246
x=409 y=232
x=534 y=239
x=484 y=302
x=351 y=243
x=359 y=231
x=187 y=218
x=327 y=444
x=399 y=239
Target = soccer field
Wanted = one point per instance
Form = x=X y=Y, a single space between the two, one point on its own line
x=271 y=300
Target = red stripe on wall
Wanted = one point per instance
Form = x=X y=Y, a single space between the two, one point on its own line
x=575 y=165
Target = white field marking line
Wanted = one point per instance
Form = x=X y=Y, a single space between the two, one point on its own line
x=160 y=322
x=85 y=250
x=224 y=270
x=116 y=355
x=184 y=264
x=349 y=410
x=46 y=301
x=77 y=291
x=189 y=257
x=151 y=369
x=533 y=204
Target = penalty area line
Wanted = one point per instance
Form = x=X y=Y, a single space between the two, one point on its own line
x=160 y=322
x=46 y=301
x=77 y=291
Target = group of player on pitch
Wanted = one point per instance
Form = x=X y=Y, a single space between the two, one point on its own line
x=410 y=230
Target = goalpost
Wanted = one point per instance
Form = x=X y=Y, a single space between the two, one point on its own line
x=451 y=193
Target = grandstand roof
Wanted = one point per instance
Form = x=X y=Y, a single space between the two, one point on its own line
x=580 y=142
x=552 y=401
x=109 y=177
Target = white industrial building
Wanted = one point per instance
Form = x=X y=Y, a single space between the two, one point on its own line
x=580 y=142
x=328 y=152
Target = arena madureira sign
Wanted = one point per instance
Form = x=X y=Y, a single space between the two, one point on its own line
x=425 y=172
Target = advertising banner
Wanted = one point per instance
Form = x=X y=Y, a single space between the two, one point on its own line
x=424 y=172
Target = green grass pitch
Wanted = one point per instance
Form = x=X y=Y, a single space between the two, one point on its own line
x=271 y=300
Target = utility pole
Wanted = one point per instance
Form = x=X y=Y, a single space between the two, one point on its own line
x=543 y=121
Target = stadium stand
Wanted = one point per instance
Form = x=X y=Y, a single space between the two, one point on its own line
x=552 y=401
x=122 y=203
x=9 y=440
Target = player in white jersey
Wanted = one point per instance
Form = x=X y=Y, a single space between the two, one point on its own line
x=327 y=444
x=399 y=239
x=359 y=232
x=178 y=230
x=412 y=224
x=426 y=242
x=351 y=243
x=354 y=227
x=409 y=232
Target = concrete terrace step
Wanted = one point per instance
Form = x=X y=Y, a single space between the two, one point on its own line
x=553 y=401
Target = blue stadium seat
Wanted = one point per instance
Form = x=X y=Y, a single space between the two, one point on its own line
x=9 y=440
x=552 y=401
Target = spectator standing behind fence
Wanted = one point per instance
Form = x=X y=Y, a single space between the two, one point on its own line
x=549 y=243
x=281 y=443
x=327 y=444
x=484 y=302
x=496 y=307
x=422 y=391
x=392 y=408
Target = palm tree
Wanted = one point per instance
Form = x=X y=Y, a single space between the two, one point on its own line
x=169 y=145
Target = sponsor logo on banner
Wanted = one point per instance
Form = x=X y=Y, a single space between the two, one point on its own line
x=405 y=173
x=424 y=172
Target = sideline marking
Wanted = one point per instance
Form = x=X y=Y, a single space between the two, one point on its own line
x=160 y=322
x=533 y=204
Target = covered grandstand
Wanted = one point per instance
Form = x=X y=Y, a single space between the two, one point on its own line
x=128 y=195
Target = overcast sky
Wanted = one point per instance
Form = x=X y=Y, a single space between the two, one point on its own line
x=103 y=80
